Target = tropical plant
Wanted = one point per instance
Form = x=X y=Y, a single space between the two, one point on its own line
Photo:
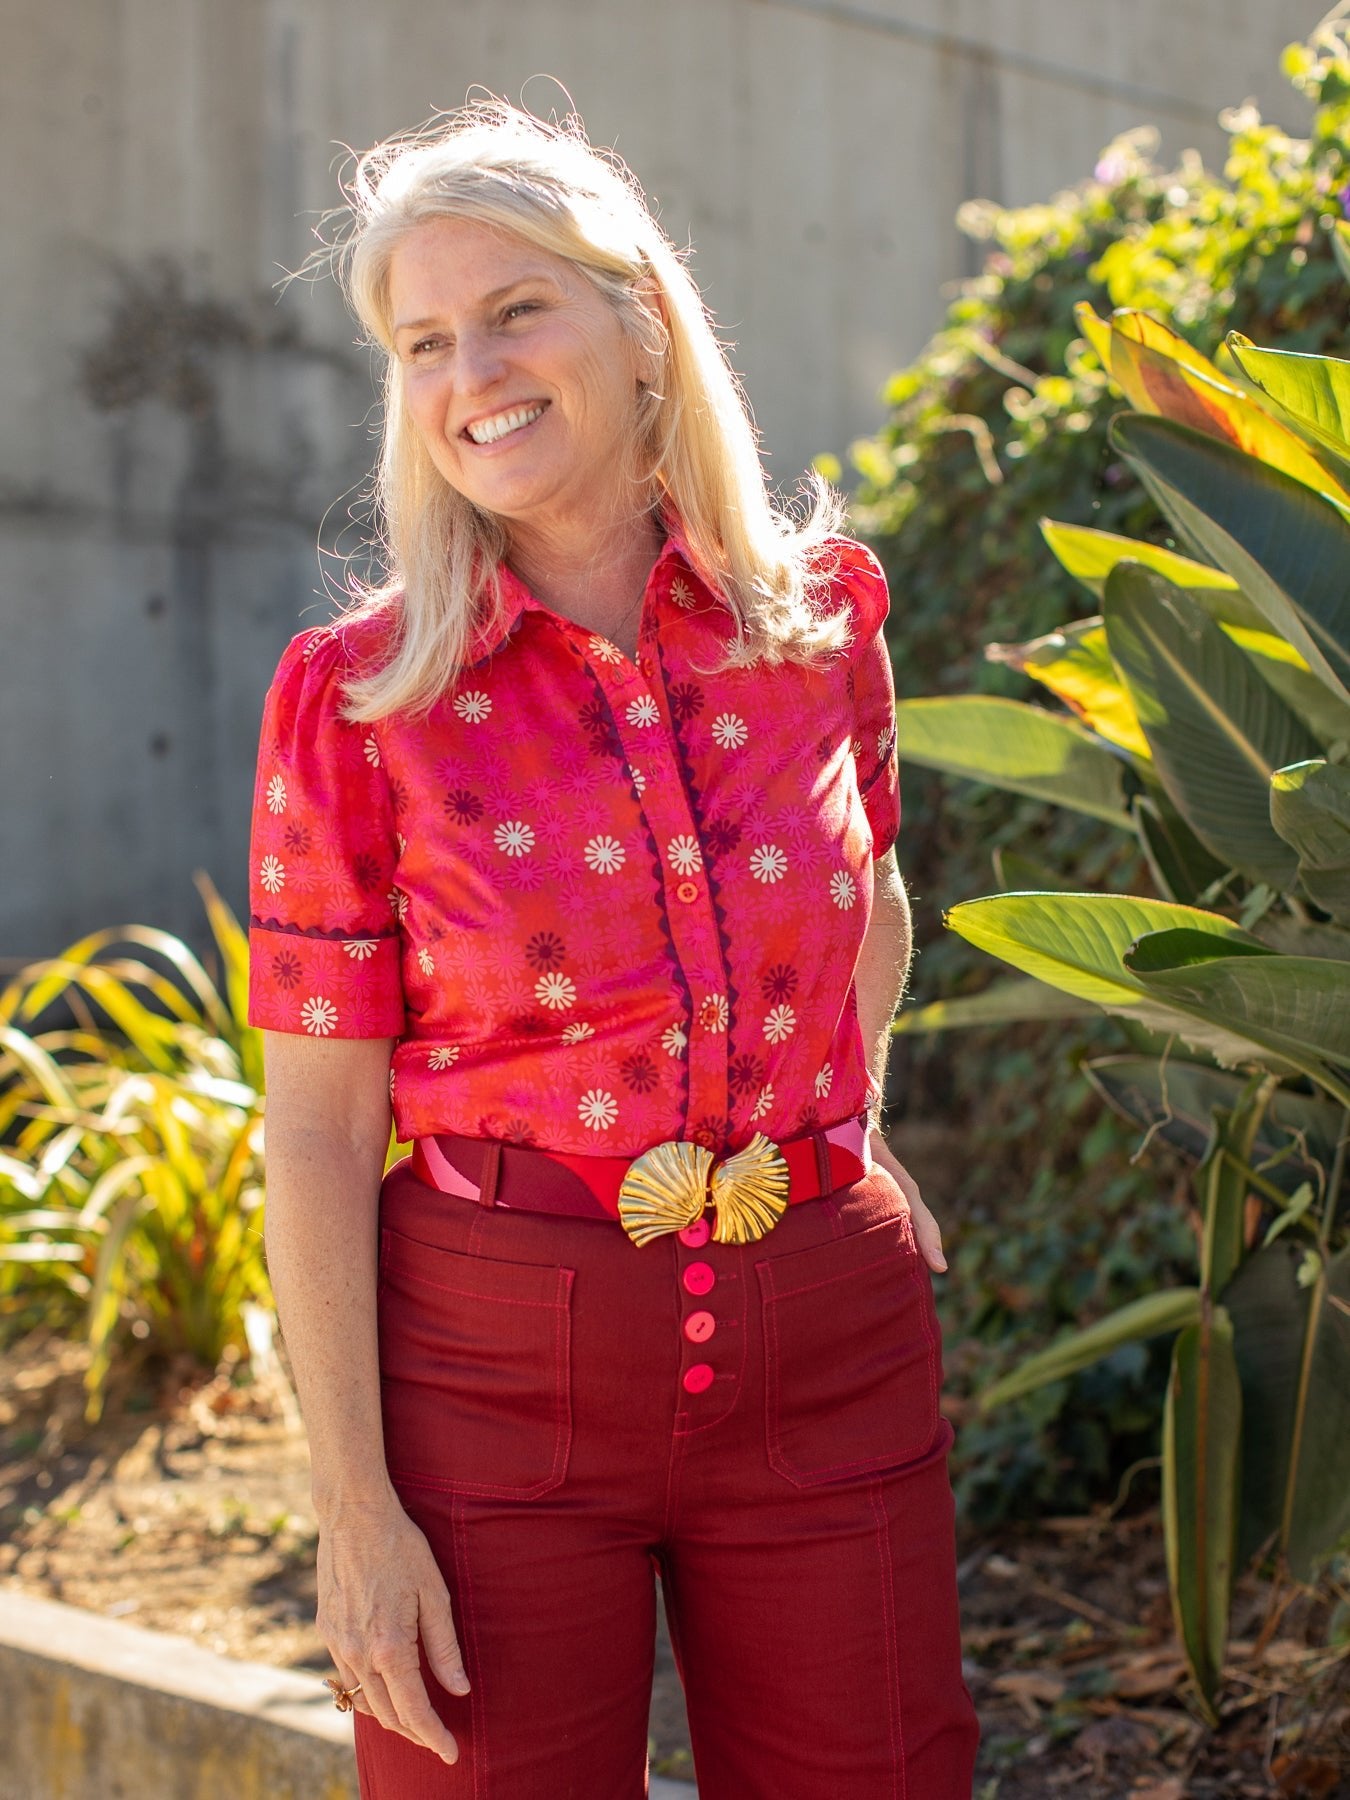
x=1207 y=713
x=131 y=1144
x=1002 y=418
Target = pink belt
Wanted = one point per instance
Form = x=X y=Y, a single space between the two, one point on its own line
x=667 y=1188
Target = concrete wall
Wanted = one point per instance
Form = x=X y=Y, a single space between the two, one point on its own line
x=173 y=432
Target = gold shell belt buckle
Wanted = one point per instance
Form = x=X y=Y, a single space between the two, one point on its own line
x=667 y=1188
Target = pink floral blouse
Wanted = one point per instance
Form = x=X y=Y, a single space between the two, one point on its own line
x=599 y=904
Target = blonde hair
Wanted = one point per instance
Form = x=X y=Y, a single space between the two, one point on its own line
x=692 y=429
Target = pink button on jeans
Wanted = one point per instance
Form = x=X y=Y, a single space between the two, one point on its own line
x=698 y=1377
x=699 y=1278
x=699 y=1327
x=695 y=1235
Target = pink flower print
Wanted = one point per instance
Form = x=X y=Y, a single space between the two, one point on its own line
x=639 y=1072
x=744 y=1073
x=779 y=982
x=465 y=808
x=298 y=838
x=286 y=970
x=545 y=950
x=686 y=702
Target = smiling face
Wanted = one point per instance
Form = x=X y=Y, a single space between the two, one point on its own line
x=518 y=376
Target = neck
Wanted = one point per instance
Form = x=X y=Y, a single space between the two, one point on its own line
x=592 y=574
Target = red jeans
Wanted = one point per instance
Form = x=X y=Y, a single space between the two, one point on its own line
x=566 y=1414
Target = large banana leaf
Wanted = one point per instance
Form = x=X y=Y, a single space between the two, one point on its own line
x=1315 y=390
x=1202 y=1432
x=1075 y=664
x=1160 y=373
x=1217 y=731
x=1010 y=745
x=1287 y=548
x=1176 y=1100
x=1297 y=1008
x=1077 y=942
x=1181 y=867
x=1150 y=1316
x=1310 y=808
x=1293 y=1353
x=1324 y=712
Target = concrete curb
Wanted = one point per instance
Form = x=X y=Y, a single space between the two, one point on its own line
x=96 y=1709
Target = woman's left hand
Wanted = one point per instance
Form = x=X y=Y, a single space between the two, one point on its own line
x=927 y=1231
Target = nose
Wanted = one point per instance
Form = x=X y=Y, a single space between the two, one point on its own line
x=478 y=363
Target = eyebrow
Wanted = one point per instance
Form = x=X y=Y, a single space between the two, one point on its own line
x=487 y=300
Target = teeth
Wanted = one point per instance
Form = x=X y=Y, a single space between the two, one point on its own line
x=487 y=431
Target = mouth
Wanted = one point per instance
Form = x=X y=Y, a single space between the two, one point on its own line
x=503 y=424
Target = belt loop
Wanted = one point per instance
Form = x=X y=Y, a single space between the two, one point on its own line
x=824 y=1172
x=489 y=1172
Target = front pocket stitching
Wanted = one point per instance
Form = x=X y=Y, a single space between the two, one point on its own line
x=562 y=1401
x=790 y=1471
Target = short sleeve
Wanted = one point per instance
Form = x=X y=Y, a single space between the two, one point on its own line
x=872 y=684
x=324 y=946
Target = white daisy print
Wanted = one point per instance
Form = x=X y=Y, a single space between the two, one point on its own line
x=685 y=855
x=555 y=990
x=639 y=780
x=398 y=903
x=276 y=795
x=767 y=863
x=780 y=1023
x=425 y=961
x=442 y=1056
x=681 y=593
x=578 y=1032
x=762 y=1103
x=598 y=1108
x=714 y=1013
x=603 y=651
x=372 y=751
x=515 y=837
x=272 y=874
x=603 y=854
x=674 y=1040
x=473 y=706
x=823 y=1080
x=360 y=949
x=642 y=711
x=843 y=889
x=319 y=1015
x=729 y=731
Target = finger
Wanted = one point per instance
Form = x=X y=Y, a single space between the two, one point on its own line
x=417 y=1717
x=441 y=1643
x=927 y=1231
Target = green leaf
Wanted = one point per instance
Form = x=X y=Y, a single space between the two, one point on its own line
x=1293 y=1352
x=1297 y=1008
x=1150 y=1316
x=1002 y=1003
x=1089 y=556
x=1223 y=1182
x=1315 y=390
x=1078 y=941
x=1202 y=1434
x=1024 y=874
x=1285 y=546
x=1216 y=730
x=1177 y=1100
x=1310 y=808
x=1022 y=748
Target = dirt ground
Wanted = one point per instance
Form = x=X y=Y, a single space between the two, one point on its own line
x=187 y=1510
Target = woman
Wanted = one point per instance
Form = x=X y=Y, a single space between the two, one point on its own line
x=574 y=842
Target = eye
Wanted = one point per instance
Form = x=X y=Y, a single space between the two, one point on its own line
x=424 y=344
x=520 y=306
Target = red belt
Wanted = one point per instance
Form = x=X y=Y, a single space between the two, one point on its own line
x=667 y=1188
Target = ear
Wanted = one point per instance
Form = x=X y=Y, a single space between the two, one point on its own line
x=650 y=296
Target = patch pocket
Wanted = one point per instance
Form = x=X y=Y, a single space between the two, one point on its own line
x=475 y=1371
x=852 y=1356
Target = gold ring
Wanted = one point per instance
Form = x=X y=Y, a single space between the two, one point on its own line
x=344 y=1698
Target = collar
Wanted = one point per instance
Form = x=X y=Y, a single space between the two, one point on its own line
x=516 y=598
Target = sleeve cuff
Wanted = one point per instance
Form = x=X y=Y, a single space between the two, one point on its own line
x=324 y=986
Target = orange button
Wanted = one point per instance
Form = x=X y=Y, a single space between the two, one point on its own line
x=699 y=1279
x=695 y=1235
x=687 y=891
x=698 y=1377
x=699 y=1327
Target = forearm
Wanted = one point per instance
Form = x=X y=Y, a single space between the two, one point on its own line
x=321 y=1230
x=883 y=969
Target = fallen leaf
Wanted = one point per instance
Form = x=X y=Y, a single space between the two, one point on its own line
x=1306 y=1777
x=1171 y=1789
